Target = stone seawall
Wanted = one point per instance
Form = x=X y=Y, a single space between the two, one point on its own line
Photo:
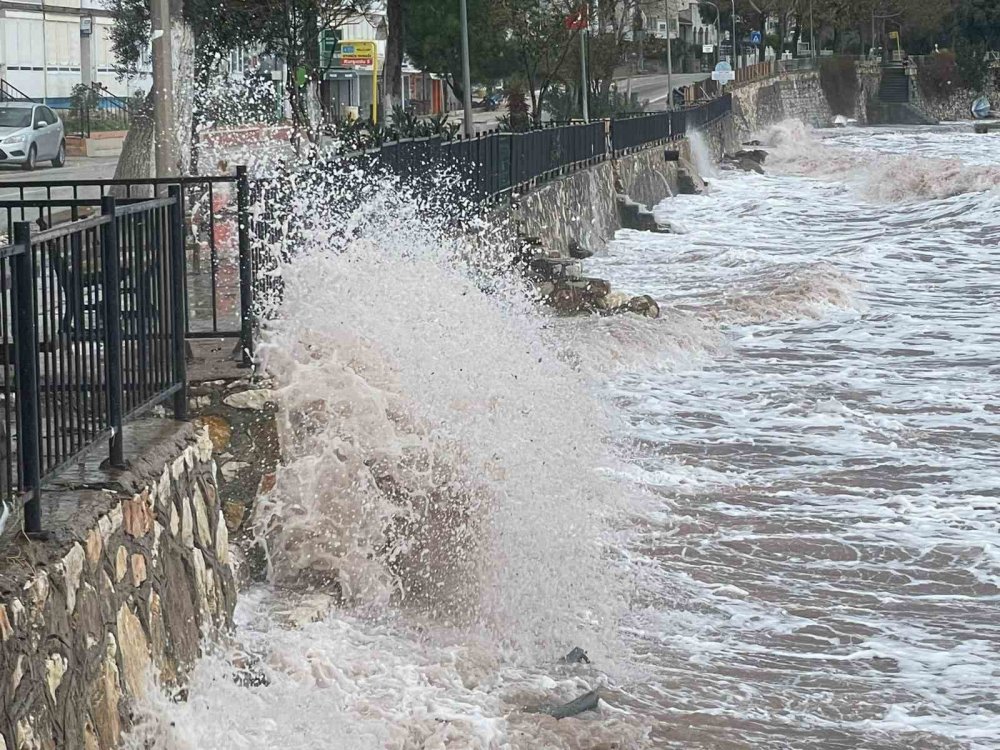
x=798 y=96
x=578 y=209
x=956 y=105
x=135 y=571
x=584 y=209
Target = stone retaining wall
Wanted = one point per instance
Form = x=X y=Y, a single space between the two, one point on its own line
x=578 y=209
x=647 y=177
x=957 y=105
x=798 y=95
x=582 y=209
x=135 y=572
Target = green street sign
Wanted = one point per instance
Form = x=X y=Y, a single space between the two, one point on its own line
x=329 y=47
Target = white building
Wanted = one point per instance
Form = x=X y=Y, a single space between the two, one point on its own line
x=48 y=49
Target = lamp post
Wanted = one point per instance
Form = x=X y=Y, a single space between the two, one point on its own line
x=466 y=75
x=736 y=56
x=718 y=34
x=670 y=61
x=812 y=29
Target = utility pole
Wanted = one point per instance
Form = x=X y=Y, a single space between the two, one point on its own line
x=159 y=18
x=670 y=61
x=736 y=54
x=812 y=29
x=583 y=72
x=466 y=75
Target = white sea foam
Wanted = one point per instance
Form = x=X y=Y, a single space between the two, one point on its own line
x=799 y=509
x=886 y=175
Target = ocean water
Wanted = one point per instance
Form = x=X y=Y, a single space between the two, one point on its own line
x=770 y=517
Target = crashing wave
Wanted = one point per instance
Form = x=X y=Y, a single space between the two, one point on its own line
x=883 y=178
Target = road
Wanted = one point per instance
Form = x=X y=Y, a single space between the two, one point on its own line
x=77 y=168
x=653 y=88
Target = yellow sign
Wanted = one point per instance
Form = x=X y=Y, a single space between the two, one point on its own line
x=894 y=35
x=362 y=54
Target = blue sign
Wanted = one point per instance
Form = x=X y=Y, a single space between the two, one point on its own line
x=755 y=37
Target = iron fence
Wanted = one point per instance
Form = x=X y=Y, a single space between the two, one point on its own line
x=634 y=133
x=210 y=237
x=92 y=317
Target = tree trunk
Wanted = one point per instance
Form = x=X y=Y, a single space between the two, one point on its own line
x=136 y=160
x=797 y=35
x=392 y=94
x=182 y=49
x=762 y=25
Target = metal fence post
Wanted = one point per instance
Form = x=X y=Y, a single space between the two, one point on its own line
x=246 y=264
x=26 y=357
x=112 y=289
x=177 y=306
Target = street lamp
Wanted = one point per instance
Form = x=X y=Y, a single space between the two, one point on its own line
x=736 y=56
x=812 y=29
x=670 y=61
x=718 y=34
x=466 y=75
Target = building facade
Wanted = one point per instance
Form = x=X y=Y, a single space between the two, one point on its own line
x=46 y=50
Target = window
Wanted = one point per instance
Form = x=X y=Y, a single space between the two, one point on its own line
x=14 y=117
x=39 y=117
x=49 y=116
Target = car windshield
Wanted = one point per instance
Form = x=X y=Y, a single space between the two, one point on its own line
x=15 y=117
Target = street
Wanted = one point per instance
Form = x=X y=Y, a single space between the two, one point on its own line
x=77 y=168
x=653 y=88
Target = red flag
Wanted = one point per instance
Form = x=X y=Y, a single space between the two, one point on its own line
x=579 y=20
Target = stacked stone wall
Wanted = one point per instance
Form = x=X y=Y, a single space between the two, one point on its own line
x=136 y=571
x=798 y=95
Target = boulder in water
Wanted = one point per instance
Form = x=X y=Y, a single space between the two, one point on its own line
x=576 y=250
x=576 y=656
x=644 y=305
x=586 y=702
x=569 y=297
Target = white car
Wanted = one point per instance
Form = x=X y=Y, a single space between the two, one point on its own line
x=30 y=133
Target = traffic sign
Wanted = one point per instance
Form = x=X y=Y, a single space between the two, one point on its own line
x=723 y=73
x=756 y=37
x=355 y=54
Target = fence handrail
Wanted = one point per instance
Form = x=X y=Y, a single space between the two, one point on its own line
x=71 y=227
x=112 y=320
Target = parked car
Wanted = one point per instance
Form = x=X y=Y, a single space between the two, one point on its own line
x=492 y=102
x=30 y=133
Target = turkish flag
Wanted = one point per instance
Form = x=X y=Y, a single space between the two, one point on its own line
x=579 y=20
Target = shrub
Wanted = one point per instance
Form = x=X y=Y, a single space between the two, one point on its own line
x=517 y=119
x=838 y=78
x=938 y=76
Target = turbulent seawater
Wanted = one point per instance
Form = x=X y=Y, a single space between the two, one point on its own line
x=771 y=516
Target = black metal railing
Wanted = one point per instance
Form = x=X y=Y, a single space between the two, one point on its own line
x=632 y=133
x=100 y=112
x=211 y=229
x=93 y=323
x=11 y=93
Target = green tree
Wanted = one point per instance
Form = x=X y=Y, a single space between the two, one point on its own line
x=433 y=42
x=541 y=43
x=976 y=31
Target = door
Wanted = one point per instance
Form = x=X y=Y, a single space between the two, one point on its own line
x=45 y=132
x=53 y=132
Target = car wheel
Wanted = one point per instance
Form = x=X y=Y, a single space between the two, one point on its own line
x=29 y=162
x=60 y=159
